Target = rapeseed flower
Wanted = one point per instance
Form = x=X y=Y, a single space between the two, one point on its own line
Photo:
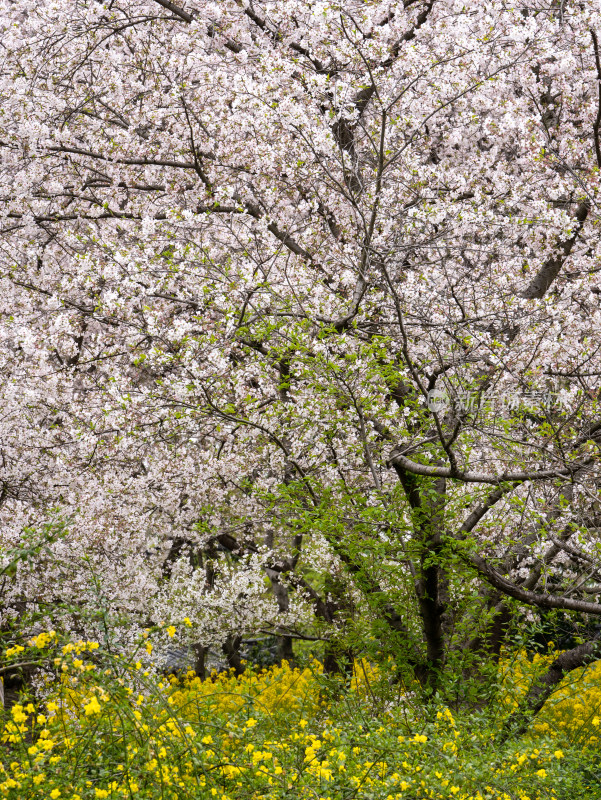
x=93 y=707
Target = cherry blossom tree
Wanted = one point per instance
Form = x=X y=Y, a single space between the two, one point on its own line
x=304 y=295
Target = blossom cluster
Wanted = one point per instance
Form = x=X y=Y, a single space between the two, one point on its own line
x=117 y=732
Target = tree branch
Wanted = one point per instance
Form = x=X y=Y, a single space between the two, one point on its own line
x=398 y=460
x=552 y=266
x=504 y=585
x=179 y=12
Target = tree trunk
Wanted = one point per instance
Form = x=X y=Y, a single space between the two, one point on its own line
x=231 y=649
x=200 y=654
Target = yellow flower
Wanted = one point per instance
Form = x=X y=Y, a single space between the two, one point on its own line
x=171 y=631
x=558 y=754
x=93 y=707
x=187 y=622
x=55 y=793
x=148 y=648
x=419 y=738
x=541 y=773
x=17 y=713
x=42 y=639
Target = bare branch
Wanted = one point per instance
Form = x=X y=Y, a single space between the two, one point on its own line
x=396 y=459
x=492 y=576
x=179 y=12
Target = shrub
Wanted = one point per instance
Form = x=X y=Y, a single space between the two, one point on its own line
x=106 y=726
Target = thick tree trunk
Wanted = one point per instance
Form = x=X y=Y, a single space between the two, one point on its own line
x=200 y=654
x=490 y=641
x=285 y=649
x=338 y=660
x=231 y=649
x=427 y=500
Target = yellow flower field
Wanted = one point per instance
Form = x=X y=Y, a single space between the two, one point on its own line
x=108 y=728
